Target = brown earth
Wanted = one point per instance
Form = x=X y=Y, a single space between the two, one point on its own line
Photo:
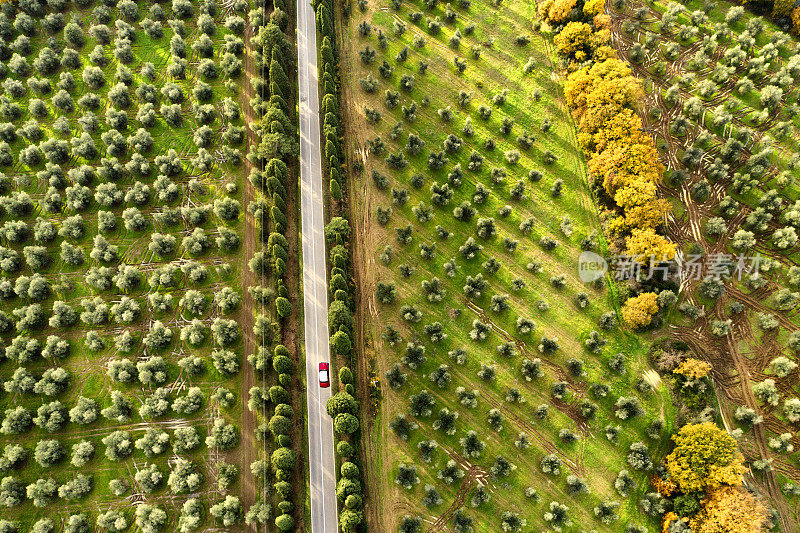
x=247 y=313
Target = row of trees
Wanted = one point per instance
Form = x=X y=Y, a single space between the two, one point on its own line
x=147 y=517
x=623 y=162
x=272 y=94
x=77 y=190
x=342 y=407
x=283 y=459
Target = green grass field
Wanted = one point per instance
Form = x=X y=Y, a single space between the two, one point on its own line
x=526 y=279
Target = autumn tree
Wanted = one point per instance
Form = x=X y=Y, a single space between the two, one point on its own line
x=557 y=10
x=693 y=369
x=638 y=311
x=731 y=510
x=604 y=97
x=705 y=457
x=645 y=244
x=577 y=40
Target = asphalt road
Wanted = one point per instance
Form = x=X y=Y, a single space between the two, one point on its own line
x=322 y=464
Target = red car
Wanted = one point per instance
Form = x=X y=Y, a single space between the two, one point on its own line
x=324 y=375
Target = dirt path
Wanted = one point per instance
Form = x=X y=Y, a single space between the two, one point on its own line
x=364 y=241
x=246 y=315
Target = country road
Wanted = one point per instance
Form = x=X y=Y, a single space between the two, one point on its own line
x=322 y=464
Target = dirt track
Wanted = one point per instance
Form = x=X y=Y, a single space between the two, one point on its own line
x=364 y=242
x=246 y=317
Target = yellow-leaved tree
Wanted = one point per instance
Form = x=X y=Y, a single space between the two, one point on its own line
x=559 y=10
x=592 y=8
x=581 y=82
x=575 y=90
x=705 y=458
x=622 y=125
x=605 y=97
x=647 y=214
x=796 y=20
x=619 y=92
x=731 y=510
x=605 y=52
x=644 y=244
x=625 y=164
x=693 y=368
x=638 y=311
x=574 y=40
x=669 y=519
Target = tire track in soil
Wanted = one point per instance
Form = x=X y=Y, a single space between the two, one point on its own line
x=475 y=475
